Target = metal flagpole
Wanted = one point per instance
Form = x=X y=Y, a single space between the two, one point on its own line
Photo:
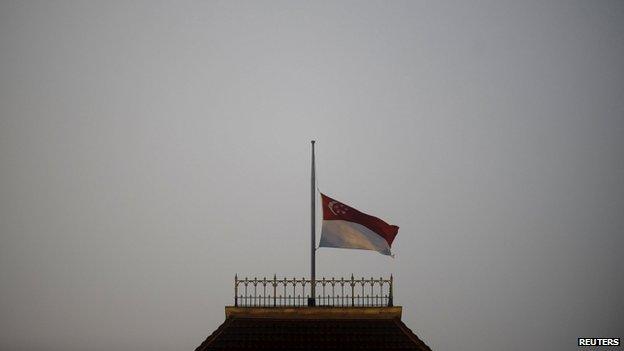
x=312 y=299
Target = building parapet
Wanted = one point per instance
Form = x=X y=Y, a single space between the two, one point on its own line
x=314 y=312
x=331 y=292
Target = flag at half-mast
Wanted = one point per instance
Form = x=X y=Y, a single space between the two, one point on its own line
x=345 y=227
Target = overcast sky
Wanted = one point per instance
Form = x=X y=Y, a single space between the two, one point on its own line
x=151 y=150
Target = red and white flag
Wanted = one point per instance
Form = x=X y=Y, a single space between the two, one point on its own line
x=346 y=227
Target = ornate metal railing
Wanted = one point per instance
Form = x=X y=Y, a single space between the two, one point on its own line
x=295 y=292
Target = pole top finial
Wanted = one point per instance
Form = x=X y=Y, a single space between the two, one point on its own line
x=313 y=141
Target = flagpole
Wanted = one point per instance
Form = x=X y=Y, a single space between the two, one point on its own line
x=312 y=299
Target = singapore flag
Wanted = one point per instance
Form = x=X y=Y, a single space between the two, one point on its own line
x=345 y=227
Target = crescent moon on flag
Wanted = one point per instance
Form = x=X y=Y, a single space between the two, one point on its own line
x=331 y=207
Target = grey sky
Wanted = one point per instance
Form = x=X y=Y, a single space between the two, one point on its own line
x=151 y=150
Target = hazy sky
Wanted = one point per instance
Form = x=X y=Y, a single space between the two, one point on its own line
x=151 y=150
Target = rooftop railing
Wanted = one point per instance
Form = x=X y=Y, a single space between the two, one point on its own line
x=334 y=292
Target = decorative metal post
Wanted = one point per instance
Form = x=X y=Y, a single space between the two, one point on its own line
x=235 y=290
x=352 y=291
x=254 y=301
x=390 y=297
x=274 y=290
x=311 y=300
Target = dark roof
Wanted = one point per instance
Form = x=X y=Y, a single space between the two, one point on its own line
x=242 y=332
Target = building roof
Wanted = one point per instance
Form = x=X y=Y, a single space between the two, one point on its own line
x=318 y=328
